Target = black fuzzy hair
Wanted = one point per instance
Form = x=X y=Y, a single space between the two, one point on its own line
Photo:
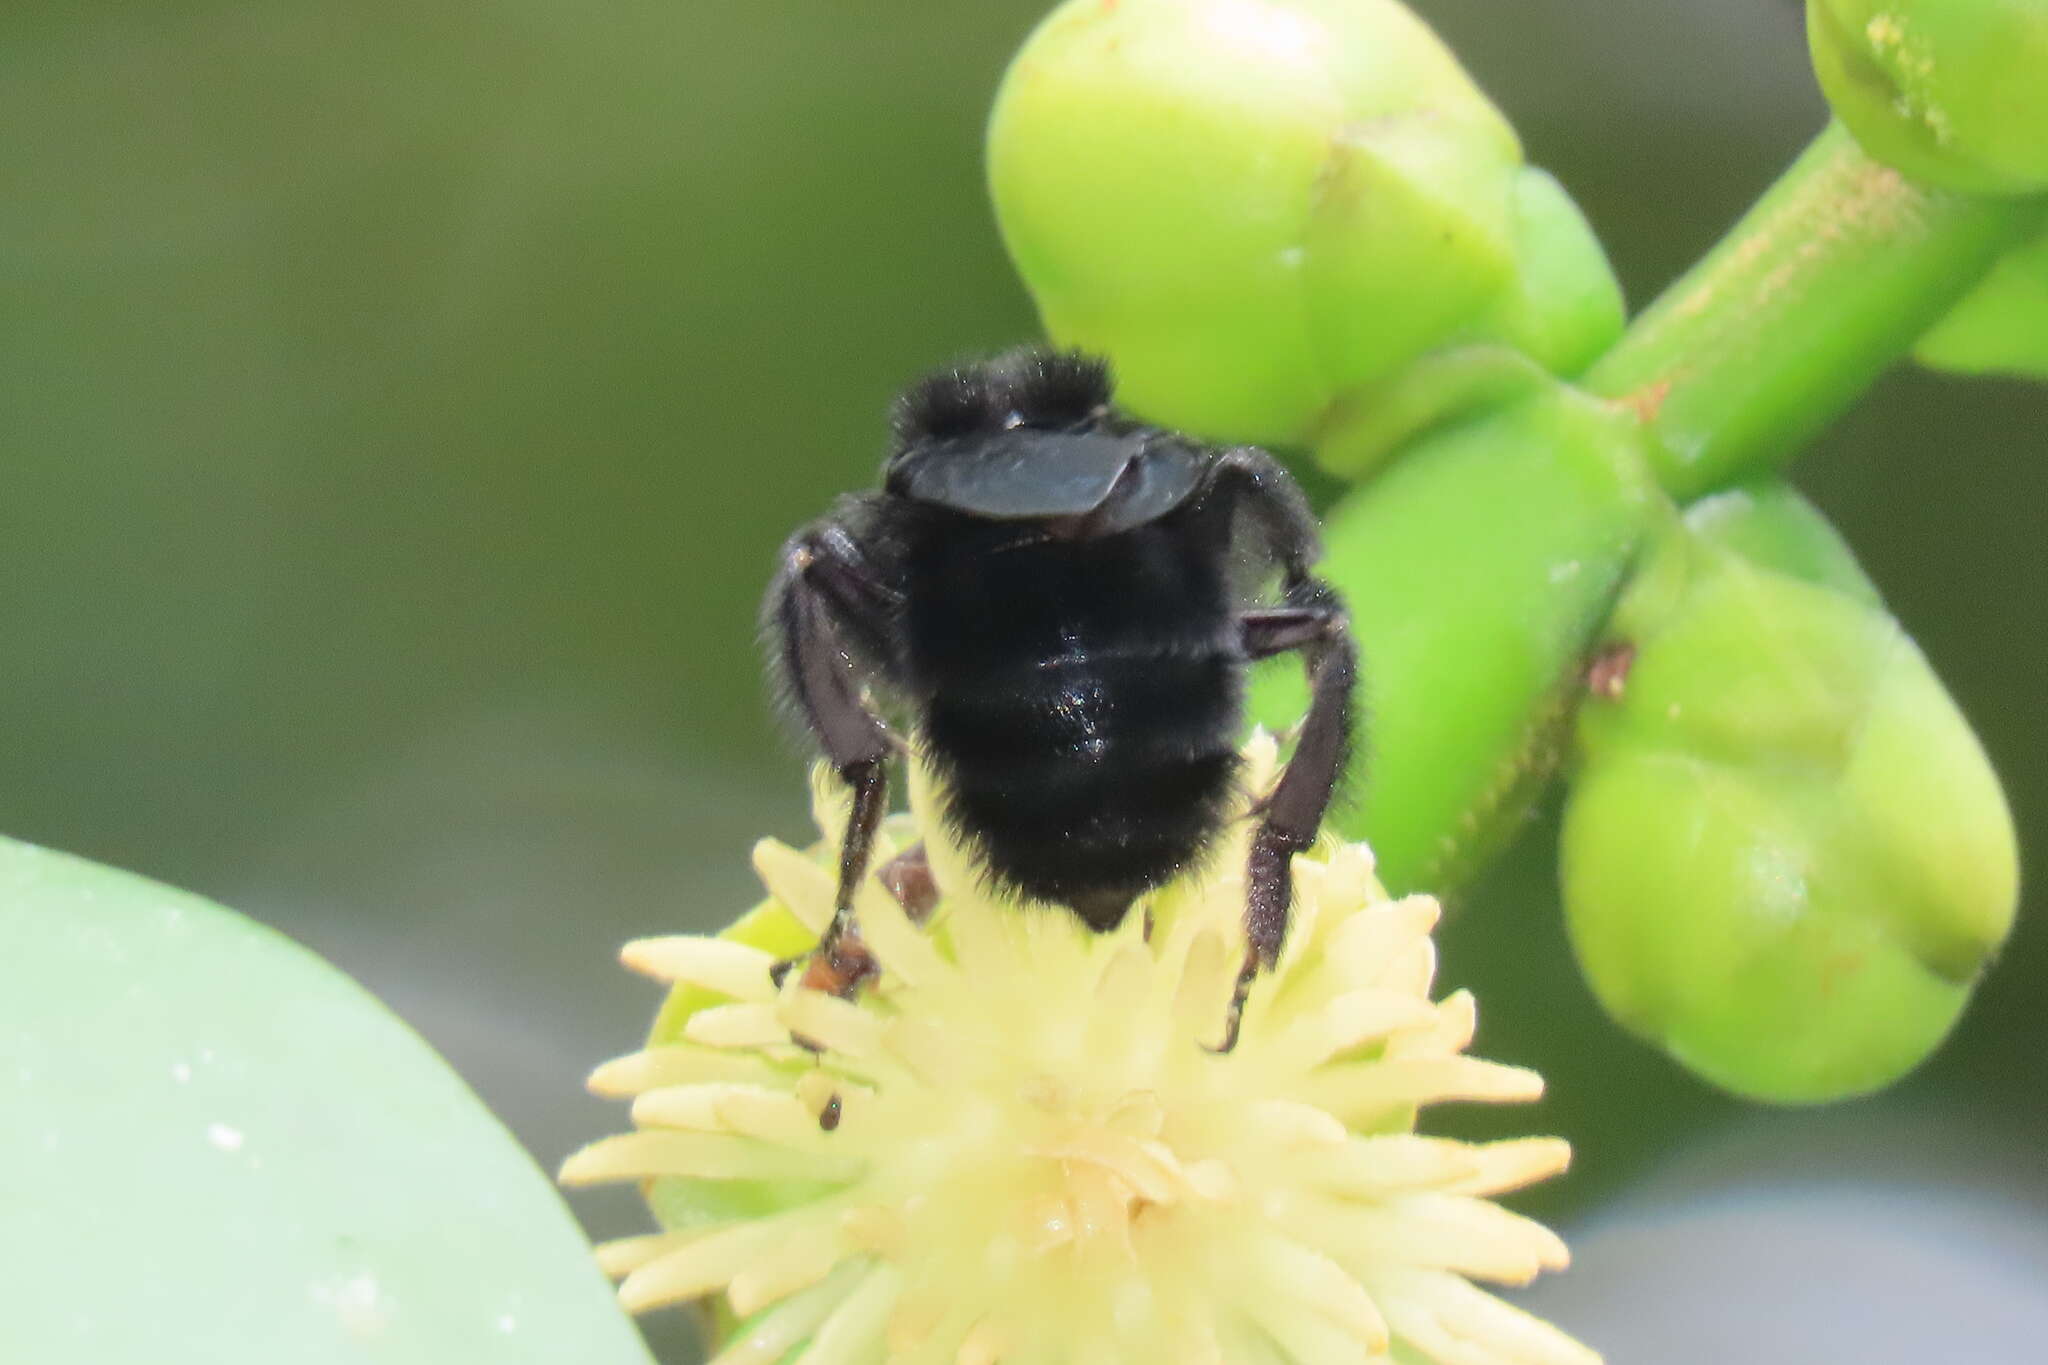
x=1053 y=388
x=955 y=402
x=1031 y=386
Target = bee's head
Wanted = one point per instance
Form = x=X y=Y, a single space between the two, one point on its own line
x=1030 y=387
x=1031 y=436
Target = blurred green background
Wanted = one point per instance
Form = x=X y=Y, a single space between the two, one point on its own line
x=403 y=403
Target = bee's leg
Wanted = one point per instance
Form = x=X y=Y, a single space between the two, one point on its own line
x=841 y=962
x=824 y=598
x=1314 y=622
x=1263 y=505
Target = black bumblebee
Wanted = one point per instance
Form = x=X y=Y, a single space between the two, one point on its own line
x=1064 y=601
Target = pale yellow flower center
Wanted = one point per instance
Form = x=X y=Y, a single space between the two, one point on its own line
x=1016 y=1148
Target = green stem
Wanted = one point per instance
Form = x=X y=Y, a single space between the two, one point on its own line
x=1828 y=280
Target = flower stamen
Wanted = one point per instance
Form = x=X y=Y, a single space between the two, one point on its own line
x=1014 y=1148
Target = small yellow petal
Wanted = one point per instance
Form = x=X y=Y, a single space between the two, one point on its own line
x=1252 y=1345
x=1014 y=1146
x=1362 y=1091
x=1205 y=986
x=1373 y=1167
x=745 y=1110
x=983 y=1346
x=1195 y=1343
x=805 y=889
x=1360 y=947
x=858 y=1326
x=1450 y=1029
x=1447 y=1232
x=873 y=1228
x=1213 y=1180
x=904 y=950
x=624 y=1255
x=1311 y=1284
x=1509 y=1165
x=925 y=1328
x=795 y=1263
x=831 y=803
x=736 y=1026
x=695 y=1268
x=716 y=964
x=771 y=1337
x=1454 y=1321
x=838 y=1026
x=1350 y=1021
x=711 y=1156
x=1287 y=1126
x=676 y=1064
x=1307 y=1338
x=1411 y=970
x=1125 y=1158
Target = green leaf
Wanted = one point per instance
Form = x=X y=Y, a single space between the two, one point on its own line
x=218 y=1149
x=2001 y=327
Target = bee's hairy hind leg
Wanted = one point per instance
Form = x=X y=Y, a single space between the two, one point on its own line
x=1312 y=621
x=824 y=595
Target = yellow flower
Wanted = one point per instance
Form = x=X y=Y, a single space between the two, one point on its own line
x=1015 y=1147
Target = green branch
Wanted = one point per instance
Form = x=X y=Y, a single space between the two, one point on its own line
x=1824 y=284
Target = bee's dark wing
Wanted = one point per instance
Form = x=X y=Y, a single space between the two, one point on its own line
x=1114 y=481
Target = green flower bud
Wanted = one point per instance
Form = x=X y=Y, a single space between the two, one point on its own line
x=1771 y=525
x=1560 y=311
x=1785 y=857
x=1952 y=92
x=1564 y=306
x=1254 y=205
x=2001 y=326
x=1478 y=568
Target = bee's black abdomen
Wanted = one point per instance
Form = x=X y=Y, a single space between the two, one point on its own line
x=1081 y=701
x=1084 y=786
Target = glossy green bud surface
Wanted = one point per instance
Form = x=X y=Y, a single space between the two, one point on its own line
x=1785 y=858
x=2000 y=327
x=1952 y=92
x=1563 y=306
x=1254 y=205
x=1560 y=310
x=1477 y=569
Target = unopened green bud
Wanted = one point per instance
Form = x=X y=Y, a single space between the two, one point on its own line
x=1563 y=306
x=1770 y=525
x=1952 y=92
x=2001 y=326
x=1786 y=859
x=1561 y=309
x=1252 y=206
x=1477 y=568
